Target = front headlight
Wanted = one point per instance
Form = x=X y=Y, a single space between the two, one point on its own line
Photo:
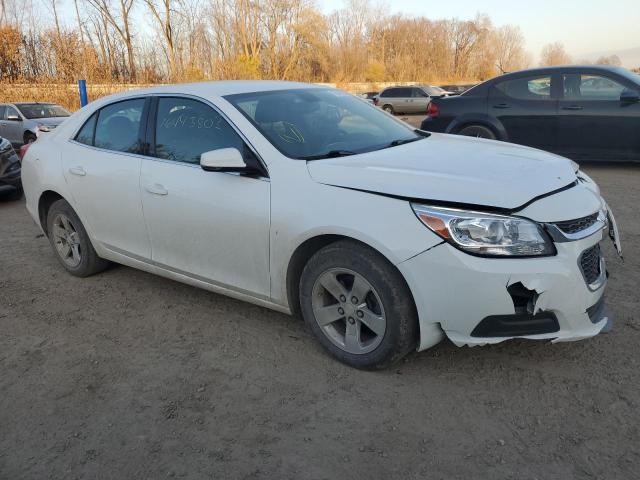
x=486 y=234
x=44 y=128
x=4 y=144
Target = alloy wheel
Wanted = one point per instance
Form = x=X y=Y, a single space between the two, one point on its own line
x=348 y=310
x=66 y=240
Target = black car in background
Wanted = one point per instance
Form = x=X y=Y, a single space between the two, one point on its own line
x=457 y=89
x=10 y=169
x=581 y=112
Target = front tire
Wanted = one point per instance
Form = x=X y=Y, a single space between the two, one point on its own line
x=29 y=138
x=389 y=109
x=478 y=131
x=358 y=306
x=71 y=243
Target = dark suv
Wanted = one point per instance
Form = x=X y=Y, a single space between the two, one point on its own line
x=9 y=168
x=582 y=112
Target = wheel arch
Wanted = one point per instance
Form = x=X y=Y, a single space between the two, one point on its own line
x=306 y=250
x=483 y=120
x=28 y=133
x=47 y=198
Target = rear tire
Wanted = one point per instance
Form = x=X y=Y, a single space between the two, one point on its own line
x=71 y=243
x=389 y=109
x=478 y=131
x=366 y=317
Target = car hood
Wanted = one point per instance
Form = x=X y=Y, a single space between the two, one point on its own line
x=451 y=169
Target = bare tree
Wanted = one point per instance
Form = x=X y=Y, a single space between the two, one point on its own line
x=509 y=49
x=554 y=54
x=163 y=12
x=120 y=20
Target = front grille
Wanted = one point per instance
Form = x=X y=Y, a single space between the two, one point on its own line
x=590 y=264
x=577 y=225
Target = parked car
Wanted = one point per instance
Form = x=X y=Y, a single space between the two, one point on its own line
x=369 y=96
x=304 y=199
x=408 y=99
x=582 y=112
x=22 y=123
x=457 y=89
x=9 y=169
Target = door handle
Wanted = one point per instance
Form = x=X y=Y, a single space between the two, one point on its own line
x=572 y=107
x=79 y=171
x=502 y=105
x=156 y=189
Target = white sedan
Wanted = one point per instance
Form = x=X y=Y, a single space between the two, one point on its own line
x=308 y=200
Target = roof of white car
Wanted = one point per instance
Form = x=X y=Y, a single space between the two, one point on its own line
x=221 y=88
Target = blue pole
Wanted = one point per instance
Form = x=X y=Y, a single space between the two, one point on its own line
x=82 y=88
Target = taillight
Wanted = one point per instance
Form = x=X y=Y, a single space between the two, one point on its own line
x=23 y=150
x=432 y=110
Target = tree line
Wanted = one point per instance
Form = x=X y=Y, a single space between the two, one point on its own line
x=150 y=41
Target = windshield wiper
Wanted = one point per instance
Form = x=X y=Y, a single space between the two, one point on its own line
x=402 y=141
x=329 y=154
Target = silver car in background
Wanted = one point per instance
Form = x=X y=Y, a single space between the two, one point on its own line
x=22 y=123
x=410 y=99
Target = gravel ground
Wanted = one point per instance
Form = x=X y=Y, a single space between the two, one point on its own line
x=127 y=375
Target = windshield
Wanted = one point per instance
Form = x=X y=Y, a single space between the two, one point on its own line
x=435 y=90
x=42 y=110
x=313 y=123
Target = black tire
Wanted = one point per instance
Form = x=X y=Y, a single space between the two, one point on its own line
x=90 y=263
x=401 y=332
x=478 y=131
x=29 y=138
x=389 y=109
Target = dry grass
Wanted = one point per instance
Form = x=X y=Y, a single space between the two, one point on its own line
x=66 y=94
x=63 y=94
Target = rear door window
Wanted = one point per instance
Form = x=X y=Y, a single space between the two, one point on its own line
x=405 y=92
x=527 y=88
x=118 y=126
x=578 y=86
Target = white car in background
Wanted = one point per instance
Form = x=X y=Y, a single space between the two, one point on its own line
x=307 y=200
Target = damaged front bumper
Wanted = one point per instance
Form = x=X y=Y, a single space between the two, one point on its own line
x=478 y=301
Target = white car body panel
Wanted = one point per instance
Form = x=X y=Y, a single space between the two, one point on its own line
x=236 y=235
x=215 y=226
x=106 y=189
x=494 y=174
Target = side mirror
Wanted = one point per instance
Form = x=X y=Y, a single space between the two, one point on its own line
x=629 y=96
x=223 y=160
x=14 y=118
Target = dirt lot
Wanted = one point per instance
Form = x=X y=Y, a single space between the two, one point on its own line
x=130 y=376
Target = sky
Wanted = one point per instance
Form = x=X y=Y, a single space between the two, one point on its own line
x=585 y=27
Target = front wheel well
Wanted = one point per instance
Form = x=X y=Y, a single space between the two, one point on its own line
x=48 y=198
x=301 y=256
